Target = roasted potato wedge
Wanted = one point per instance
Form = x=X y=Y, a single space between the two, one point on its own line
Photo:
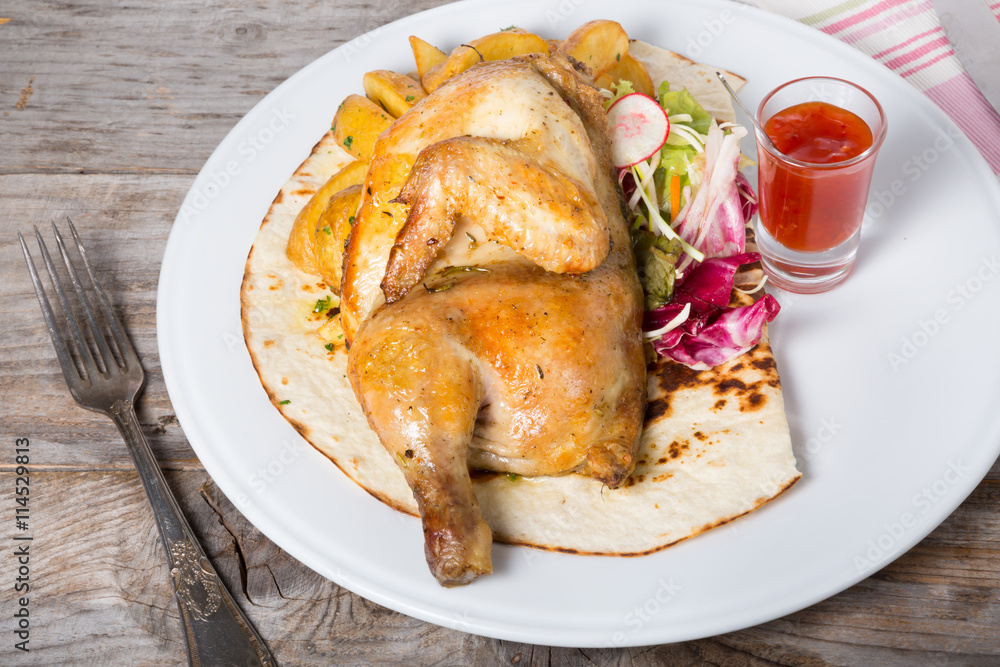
x=301 y=248
x=357 y=124
x=352 y=174
x=627 y=69
x=394 y=92
x=426 y=55
x=496 y=46
x=332 y=332
x=597 y=44
x=331 y=232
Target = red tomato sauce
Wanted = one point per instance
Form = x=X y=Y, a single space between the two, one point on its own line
x=814 y=209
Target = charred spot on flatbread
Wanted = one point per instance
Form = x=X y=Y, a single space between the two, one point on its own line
x=666 y=378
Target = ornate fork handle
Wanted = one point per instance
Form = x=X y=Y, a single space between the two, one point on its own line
x=215 y=630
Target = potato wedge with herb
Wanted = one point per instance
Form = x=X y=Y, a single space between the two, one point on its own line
x=357 y=124
x=627 y=69
x=332 y=333
x=426 y=55
x=597 y=44
x=301 y=248
x=331 y=232
x=496 y=46
x=394 y=92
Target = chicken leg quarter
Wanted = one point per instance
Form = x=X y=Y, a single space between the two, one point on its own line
x=490 y=297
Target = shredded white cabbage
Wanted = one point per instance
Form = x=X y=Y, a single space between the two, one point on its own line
x=759 y=286
x=671 y=325
x=721 y=151
x=658 y=224
x=682 y=135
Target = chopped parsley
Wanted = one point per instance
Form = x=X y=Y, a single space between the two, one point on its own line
x=348 y=141
x=285 y=402
x=410 y=98
x=328 y=230
x=322 y=304
x=329 y=346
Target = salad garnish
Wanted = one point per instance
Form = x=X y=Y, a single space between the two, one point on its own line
x=679 y=169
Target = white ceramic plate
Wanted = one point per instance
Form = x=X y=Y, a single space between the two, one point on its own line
x=890 y=381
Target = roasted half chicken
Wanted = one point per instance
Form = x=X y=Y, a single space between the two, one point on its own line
x=490 y=296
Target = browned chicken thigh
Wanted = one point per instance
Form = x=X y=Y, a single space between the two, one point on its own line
x=491 y=298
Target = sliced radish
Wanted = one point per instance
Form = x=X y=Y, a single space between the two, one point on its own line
x=639 y=127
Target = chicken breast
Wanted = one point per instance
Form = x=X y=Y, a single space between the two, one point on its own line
x=491 y=299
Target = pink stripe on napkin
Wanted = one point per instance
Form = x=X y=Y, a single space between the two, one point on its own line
x=960 y=99
x=924 y=65
x=909 y=41
x=890 y=18
x=921 y=50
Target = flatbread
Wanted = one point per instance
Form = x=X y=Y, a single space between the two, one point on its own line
x=699 y=79
x=715 y=443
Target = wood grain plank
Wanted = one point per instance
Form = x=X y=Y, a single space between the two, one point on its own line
x=107 y=588
x=153 y=87
x=124 y=221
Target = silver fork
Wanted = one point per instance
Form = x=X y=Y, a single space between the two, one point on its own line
x=215 y=630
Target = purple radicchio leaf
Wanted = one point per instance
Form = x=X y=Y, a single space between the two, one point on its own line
x=748 y=198
x=714 y=332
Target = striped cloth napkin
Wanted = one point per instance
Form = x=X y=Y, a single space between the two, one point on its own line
x=906 y=37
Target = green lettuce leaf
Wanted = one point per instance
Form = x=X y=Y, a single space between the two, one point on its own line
x=619 y=90
x=681 y=101
x=675 y=159
x=656 y=256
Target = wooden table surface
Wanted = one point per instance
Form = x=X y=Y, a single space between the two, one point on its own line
x=107 y=114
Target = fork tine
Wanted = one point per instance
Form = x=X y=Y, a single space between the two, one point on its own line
x=89 y=365
x=125 y=349
x=62 y=353
x=95 y=329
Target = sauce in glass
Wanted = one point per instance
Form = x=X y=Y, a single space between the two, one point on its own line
x=814 y=209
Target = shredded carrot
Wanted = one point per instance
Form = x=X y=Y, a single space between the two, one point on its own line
x=675 y=196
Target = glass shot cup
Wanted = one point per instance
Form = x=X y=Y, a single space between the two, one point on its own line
x=808 y=227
